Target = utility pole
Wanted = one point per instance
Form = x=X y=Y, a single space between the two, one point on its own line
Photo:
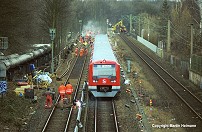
x=191 y=50
x=168 y=39
x=52 y=34
x=107 y=25
x=148 y=27
x=200 y=6
x=139 y=27
x=80 y=22
x=191 y=47
x=130 y=23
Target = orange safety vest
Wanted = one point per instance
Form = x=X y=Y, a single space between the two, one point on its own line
x=69 y=89
x=62 y=89
x=81 y=52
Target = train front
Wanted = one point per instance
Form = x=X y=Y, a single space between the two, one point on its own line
x=104 y=78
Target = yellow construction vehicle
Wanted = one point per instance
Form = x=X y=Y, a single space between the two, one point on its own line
x=119 y=25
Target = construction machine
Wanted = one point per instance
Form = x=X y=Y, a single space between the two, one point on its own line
x=119 y=25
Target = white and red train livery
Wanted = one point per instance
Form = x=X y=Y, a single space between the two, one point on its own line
x=104 y=70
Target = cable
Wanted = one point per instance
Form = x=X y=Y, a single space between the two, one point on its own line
x=179 y=35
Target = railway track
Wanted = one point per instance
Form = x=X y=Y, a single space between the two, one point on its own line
x=101 y=116
x=70 y=127
x=105 y=116
x=193 y=102
x=61 y=120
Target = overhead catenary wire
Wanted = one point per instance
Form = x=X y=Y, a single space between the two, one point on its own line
x=182 y=37
x=179 y=34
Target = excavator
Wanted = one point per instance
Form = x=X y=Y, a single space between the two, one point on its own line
x=119 y=25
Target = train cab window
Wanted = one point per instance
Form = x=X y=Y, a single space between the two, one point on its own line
x=113 y=77
x=94 y=77
x=104 y=71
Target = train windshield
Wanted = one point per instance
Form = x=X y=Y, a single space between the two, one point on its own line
x=104 y=71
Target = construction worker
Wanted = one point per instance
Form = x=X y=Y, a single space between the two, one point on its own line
x=76 y=51
x=62 y=92
x=49 y=98
x=53 y=94
x=86 y=51
x=81 y=52
x=69 y=91
x=78 y=103
x=81 y=39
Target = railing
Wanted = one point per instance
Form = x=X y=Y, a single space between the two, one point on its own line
x=78 y=119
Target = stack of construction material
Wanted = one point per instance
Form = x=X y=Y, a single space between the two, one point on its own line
x=44 y=80
x=23 y=89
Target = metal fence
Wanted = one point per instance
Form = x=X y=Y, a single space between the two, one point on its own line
x=196 y=64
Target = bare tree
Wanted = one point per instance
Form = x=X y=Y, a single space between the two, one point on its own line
x=55 y=15
x=14 y=23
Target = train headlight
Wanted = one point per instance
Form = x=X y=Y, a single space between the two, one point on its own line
x=113 y=81
x=94 y=81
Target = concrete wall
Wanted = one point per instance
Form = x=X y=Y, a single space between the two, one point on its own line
x=147 y=43
x=195 y=78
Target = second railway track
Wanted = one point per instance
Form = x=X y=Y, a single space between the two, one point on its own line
x=193 y=102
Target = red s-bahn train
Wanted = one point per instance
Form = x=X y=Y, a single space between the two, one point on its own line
x=104 y=70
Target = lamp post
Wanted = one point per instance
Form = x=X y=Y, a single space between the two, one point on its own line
x=52 y=35
x=80 y=22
